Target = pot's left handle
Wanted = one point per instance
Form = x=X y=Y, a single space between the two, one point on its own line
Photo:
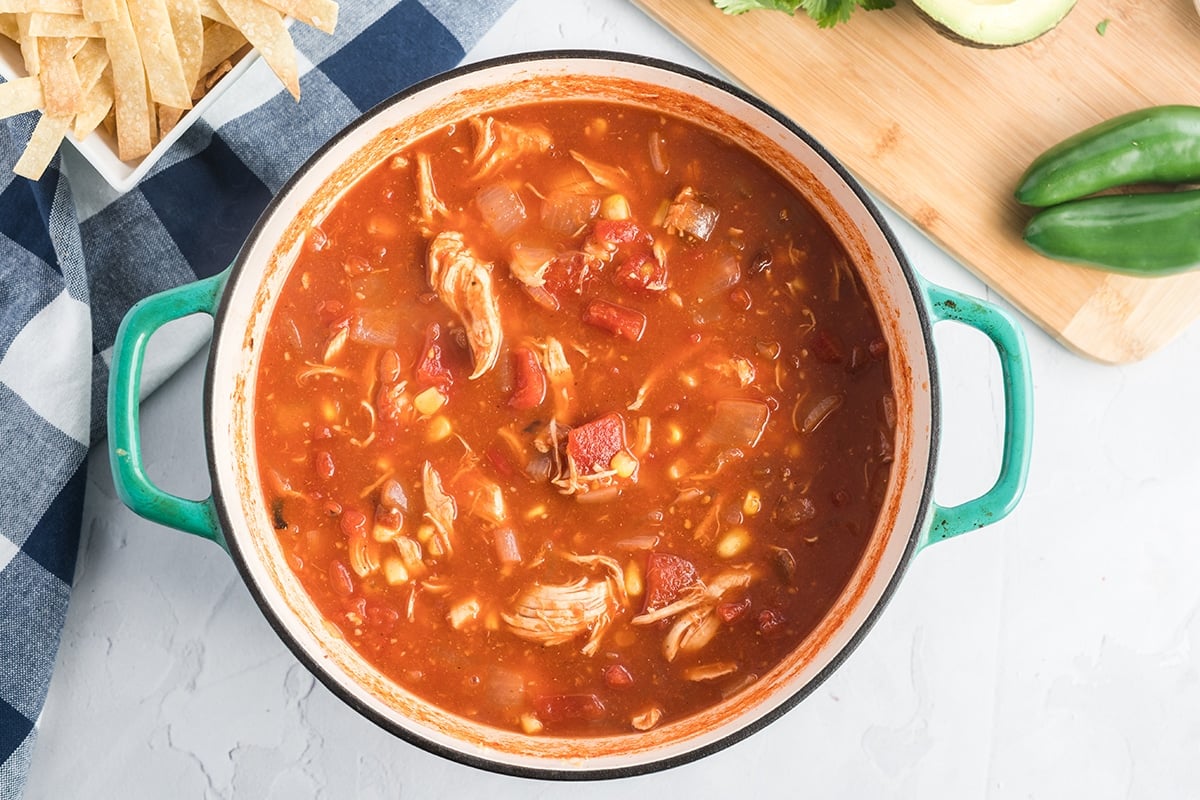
x=124 y=389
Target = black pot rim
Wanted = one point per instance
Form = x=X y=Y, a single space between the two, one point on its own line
x=238 y=272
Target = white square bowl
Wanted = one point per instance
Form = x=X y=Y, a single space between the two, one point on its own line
x=100 y=149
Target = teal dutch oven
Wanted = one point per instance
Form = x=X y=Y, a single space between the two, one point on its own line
x=241 y=299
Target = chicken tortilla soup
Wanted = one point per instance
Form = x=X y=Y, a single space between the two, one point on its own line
x=574 y=419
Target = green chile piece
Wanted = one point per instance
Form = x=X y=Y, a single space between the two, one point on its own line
x=1160 y=144
x=1138 y=234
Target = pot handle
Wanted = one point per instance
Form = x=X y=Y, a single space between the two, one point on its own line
x=1009 y=341
x=124 y=389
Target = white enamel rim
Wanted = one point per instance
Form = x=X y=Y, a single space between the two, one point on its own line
x=246 y=305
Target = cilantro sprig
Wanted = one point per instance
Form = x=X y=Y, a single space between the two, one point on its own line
x=827 y=13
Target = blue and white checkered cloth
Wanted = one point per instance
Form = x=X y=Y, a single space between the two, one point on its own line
x=74 y=256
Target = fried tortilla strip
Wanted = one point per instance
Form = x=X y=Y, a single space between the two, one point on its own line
x=189 y=37
x=264 y=27
x=99 y=10
x=62 y=25
x=320 y=14
x=156 y=42
x=130 y=102
x=20 y=95
x=47 y=136
x=220 y=44
x=60 y=80
x=43 y=6
x=209 y=9
x=29 y=45
x=168 y=118
x=90 y=63
x=96 y=105
x=8 y=27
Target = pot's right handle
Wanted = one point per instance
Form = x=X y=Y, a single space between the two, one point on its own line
x=1009 y=341
x=124 y=389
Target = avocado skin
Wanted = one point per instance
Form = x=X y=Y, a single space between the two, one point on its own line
x=955 y=36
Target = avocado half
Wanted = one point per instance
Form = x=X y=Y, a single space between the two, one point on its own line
x=995 y=23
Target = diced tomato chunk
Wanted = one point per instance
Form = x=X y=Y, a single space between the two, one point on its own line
x=827 y=347
x=732 y=612
x=330 y=312
x=621 y=231
x=770 y=622
x=498 y=457
x=529 y=388
x=569 y=707
x=592 y=445
x=641 y=271
x=617 y=320
x=567 y=274
x=431 y=369
x=667 y=576
x=617 y=677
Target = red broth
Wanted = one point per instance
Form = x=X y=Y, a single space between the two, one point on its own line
x=575 y=419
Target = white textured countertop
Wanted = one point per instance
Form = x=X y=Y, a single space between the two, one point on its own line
x=1055 y=654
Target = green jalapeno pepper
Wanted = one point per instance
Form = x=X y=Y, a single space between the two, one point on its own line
x=1154 y=145
x=1137 y=234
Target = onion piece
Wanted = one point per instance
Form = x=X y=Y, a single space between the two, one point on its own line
x=376 y=328
x=820 y=412
x=567 y=212
x=508 y=550
x=528 y=263
x=737 y=423
x=658 y=160
x=501 y=208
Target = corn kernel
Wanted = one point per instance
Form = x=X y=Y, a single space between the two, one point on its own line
x=624 y=464
x=674 y=433
x=531 y=724
x=492 y=621
x=537 y=512
x=425 y=533
x=733 y=543
x=634 y=586
x=677 y=470
x=439 y=429
x=752 y=504
x=329 y=410
x=689 y=380
x=429 y=401
x=394 y=572
x=463 y=612
x=615 y=206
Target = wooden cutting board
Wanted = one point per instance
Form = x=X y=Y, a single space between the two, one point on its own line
x=941 y=132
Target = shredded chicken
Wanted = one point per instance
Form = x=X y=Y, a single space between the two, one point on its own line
x=497 y=142
x=427 y=196
x=440 y=508
x=464 y=283
x=554 y=614
x=529 y=264
x=559 y=377
x=613 y=178
x=696 y=608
